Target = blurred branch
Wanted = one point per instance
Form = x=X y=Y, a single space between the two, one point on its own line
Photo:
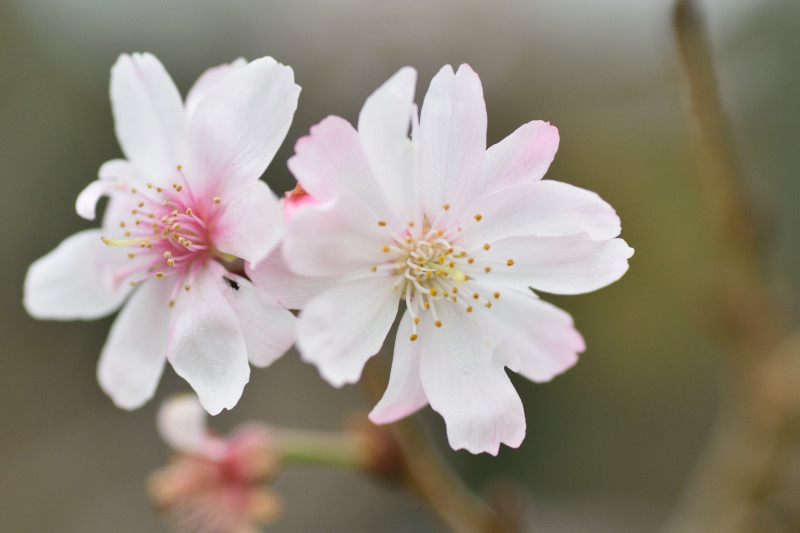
x=745 y=455
x=417 y=465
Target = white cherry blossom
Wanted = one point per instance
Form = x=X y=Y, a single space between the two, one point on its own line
x=458 y=233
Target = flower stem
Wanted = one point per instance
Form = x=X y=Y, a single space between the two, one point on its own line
x=319 y=448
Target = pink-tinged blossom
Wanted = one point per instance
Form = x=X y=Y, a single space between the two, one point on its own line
x=186 y=206
x=214 y=484
x=460 y=234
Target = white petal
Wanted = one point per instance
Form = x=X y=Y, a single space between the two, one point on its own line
x=148 y=115
x=452 y=141
x=206 y=345
x=339 y=237
x=467 y=386
x=181 y=421
x=269 y=330
x=544 y=208
x=331 y=161
x=86 y=203
x=573 y=264
x=207 y=80
x=251 y=224
x=539 y=334
x=240 y=123
x=522 y=157
x=343 y=327
x=404 y=394
x=133 y=357
x=383 y=129
x=77 y=280
x=290 y=290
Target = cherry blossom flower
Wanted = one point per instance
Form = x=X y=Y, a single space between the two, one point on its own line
x=461 y=235
x=185 y=208
x=214 y=484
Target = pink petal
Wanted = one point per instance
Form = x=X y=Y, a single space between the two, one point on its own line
x=467 y=386
x=343 y=327
x=133 y=357
x=383 y=129
x=206 y=345
x=273 y=277
x=148 y=115
x=340 y=237
x=251 y=224
x=539 y=334
x=404 y=394
x=207 y=80
x=573 y=264
x=452 y=141
x=331 y=161
x=269 y=330
x=240 y=123
x=545 y=208
x=77 y=280
x=522 y=157
x=181 y=421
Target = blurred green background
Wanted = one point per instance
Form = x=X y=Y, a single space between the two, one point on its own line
x=609 y=443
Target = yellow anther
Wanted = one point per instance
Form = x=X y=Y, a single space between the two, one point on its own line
x=441 y=259
x=488 y=305
x=446 y=207
x=151 y=215
x=381 y=222
x=471 y=260
x=434 y=292
x=416 y=320
x=455 y=290
x=159 y=275
x=469 y=309
x=140 y=204
x=510 y=262
x=439 y=232
x=217 y=200
x=149 y=185
x=172 y=303
x=410 y=223
x=187 y=243
x=127 y=233
x=174 y=213
x=386 y=249
x=181 y=240
x=478 y=217
x=373 y=268
x=131 y=255
x=486 y=246
x=180 y=167
x=132 y=283
x=189 y=211
x=133 y=190
x=426 y=305
x=487 y=269
x=496 y=295
x=187 y=287
x=438 y=323
x=134 y=211
x=122 y=224
x=413 y=337
x=159 y=189
x=168 y=254
x=171 y=262
x=475 y=295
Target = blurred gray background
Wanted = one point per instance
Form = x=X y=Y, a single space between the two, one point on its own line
x=609 y=443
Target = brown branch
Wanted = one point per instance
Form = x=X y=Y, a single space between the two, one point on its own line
x=745 y=455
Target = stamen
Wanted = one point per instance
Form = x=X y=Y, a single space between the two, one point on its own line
x=510 y=262
x=478 y=217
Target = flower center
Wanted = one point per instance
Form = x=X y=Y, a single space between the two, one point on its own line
x=430 y=268
x=168 y=231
